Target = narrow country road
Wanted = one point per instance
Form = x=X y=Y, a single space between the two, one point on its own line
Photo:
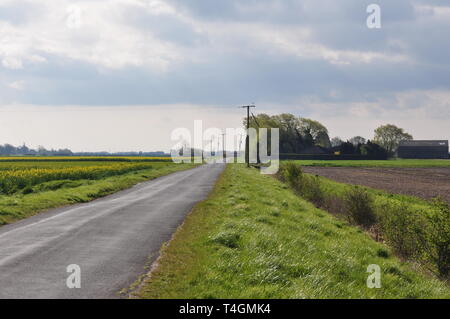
x=110 y=239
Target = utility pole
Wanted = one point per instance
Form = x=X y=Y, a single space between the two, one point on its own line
x=240 y=143
x=211 y=147
x=218 y=144
x=247 y=140
x=223 y=146
x=257 y=141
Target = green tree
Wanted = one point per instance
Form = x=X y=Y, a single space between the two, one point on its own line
x=389 y=137
x=317 y=131
x=357 y=140
x=336 y=141
x=295 y=133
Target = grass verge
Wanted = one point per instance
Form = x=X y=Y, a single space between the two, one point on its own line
x=65 y=192
x=255 y=238
x=416 y=229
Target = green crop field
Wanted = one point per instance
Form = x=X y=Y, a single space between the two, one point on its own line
x=413 y=163
x=30 y=185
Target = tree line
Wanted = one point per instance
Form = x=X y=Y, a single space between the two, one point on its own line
x=303 y=135
x=297 y=135
x=11 y=150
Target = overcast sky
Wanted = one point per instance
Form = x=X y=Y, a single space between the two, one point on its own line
x=122 y=74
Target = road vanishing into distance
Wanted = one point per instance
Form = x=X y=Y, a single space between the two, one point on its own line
x=111 y=239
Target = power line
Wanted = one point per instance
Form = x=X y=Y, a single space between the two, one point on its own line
x=255 y=120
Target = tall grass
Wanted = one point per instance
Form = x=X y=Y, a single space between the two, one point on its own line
x=418 y=234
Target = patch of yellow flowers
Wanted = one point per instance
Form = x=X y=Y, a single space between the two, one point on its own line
x=83 y=158
x=15 y=179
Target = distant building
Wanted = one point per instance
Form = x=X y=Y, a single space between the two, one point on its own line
x=423 y=149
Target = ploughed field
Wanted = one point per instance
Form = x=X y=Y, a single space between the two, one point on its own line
x=425 y=183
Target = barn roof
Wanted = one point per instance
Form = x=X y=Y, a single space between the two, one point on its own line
x=442 y=143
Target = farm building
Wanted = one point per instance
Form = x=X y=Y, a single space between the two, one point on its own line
x=423 y=149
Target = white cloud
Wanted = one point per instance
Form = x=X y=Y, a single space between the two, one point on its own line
x=105 y=38
x=300 y=42
x=423 y=113
x=17 y=85
x=12 y=63
x=158 y=7
x=433 y=12
x=100 y=37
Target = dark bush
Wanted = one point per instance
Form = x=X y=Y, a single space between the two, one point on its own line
x=382 y=252
x=292 y=174
x=439 y=237
x=305 y=185
x=373 y=149
x=228 y=239
x=27 y=190
x=404 y=229
x=311 y=190
x=335 y=205
x=359 y=206
x=347 y=148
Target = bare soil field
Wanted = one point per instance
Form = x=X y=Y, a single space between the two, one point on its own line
x=425 y=183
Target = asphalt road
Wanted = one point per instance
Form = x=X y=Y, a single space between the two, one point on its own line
x=111 y=239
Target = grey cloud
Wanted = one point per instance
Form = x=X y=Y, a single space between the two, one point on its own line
x=225 y=81
x=165 y=27
x=294 y=11
x=19 y=12
x=226 y=78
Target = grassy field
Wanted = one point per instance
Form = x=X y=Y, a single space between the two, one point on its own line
x=26 y=188
x=367 y=163
x=255 y=238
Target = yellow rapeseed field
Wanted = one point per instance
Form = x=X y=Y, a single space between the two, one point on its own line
x=14 y=179
x=83 y=158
